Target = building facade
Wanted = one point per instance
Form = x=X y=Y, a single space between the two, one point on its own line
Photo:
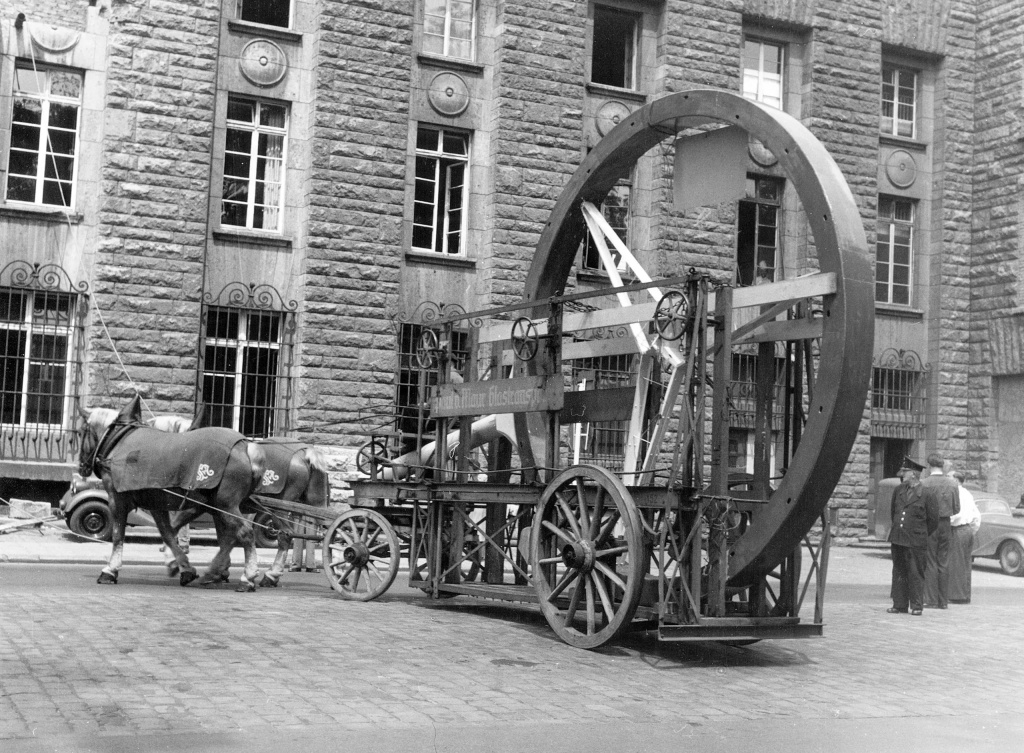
x=244 y=202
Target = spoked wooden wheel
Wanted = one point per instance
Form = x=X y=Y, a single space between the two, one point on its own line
x=361 y=553
x=588 y=556
x=672 y=315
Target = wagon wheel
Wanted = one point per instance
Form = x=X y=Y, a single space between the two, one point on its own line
x=426 y=349
x=371 y=455
x=588 y=556
x=524 y=339
x=361 y=553
x=672 y=315
x=844 y=347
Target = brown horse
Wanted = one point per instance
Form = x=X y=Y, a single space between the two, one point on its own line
x=210 y=469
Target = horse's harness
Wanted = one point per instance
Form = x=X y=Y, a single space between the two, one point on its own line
x=113 y=434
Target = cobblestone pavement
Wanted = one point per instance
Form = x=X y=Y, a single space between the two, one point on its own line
x=147 y=663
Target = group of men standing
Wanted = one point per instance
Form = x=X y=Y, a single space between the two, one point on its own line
x=933 y=524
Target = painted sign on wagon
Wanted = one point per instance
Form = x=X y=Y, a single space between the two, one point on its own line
x=519 y=395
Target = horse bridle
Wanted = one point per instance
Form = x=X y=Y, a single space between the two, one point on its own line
x=113 y=434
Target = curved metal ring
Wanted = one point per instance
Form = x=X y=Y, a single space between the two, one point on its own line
x=426 y=349
x=847 y=337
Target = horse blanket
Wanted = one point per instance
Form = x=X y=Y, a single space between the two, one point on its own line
x=279 y=452
x=151 y=459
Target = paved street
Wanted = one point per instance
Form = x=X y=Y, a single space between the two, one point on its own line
x=147 y=665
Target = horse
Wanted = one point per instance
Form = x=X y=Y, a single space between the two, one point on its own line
x=216 y=469
x=295 y=472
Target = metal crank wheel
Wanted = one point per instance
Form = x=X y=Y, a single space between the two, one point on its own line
x=426 y=349
x=525 y=339
x=588 y=556
x=672 y=315
x=361 y=553
x=371 y=456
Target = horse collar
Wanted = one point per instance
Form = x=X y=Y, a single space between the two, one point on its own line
x=111 y=436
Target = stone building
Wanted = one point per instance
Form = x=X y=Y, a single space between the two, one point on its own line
x=231 y=202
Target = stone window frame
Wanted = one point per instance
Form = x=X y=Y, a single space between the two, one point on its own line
x=793 y=40
x=248 y=303
x=754 y=79
x=634 y=82
x=46 y=101
x=893 y=223
x=446 y=37
x=894 y=121
x=252 y=180
x=258 y=18
x=440 y=158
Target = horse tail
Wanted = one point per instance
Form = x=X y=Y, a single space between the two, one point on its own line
x=318 y=491
x=258 y=462
x=315 y=458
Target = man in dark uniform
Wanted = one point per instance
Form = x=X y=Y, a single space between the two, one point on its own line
x=908 y=538
x=942 y=498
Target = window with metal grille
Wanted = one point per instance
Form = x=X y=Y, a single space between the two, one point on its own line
x=245 y=370
x=603 y=442
x=613 y=59
x=45 y=124
x=894 y=251
x=898 y=395
x=899 y=102
x=414 y=385
x=762 y=72
x=442 y=162
x=254 y=158
x=615 y=209
x=757 y=237
x=448 y=28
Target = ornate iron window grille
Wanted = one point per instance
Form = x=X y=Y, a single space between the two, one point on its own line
x=42 y=321
x=899 y=400
x=245 y=359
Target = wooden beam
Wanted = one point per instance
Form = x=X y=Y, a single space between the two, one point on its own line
x=792 y=329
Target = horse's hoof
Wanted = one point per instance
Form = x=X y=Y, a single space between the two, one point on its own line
x=187 y=577
x=245 y=587
x=107 y=579
x=270 y=581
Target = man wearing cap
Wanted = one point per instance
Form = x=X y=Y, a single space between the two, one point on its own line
x=908 y=538
x=942 y=498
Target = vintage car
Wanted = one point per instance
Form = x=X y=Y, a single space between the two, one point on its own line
x=85 y=506
x=1001 y=535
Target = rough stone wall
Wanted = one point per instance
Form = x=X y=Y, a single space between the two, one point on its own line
x=538 y=102
x=997 y=262
x=67 y=14
x=356 y=203
x=155 y=186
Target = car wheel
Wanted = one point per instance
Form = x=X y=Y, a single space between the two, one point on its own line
x=92 y=519
x=266 y=531
x=1011 y=558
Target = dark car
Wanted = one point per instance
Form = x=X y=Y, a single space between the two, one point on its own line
x=1001 y=535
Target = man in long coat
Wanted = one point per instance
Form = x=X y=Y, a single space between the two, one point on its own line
x=942 y=497
x=908 y=537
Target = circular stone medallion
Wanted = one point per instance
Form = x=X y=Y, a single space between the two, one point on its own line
x=900 y=169
x=610 y=115
x=263 y=63
x=448 y=94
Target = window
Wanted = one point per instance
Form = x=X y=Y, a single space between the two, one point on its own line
x=244 y=369
x=254 y=164
x=408 y=385
x=894 y=251
x=267 y=12
x=448 y=28
x=44 y=135
x=615 y=209
x=899 y=102
x=899 y=395
x=613 y=59
x=35 y=346
x=603 y=442
x=442 y=159
x=762 y=72
x=757 y=239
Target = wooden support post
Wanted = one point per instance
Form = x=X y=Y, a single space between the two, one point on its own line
x=718 y=547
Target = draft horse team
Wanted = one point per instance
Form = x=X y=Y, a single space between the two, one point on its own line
x=202 y=469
